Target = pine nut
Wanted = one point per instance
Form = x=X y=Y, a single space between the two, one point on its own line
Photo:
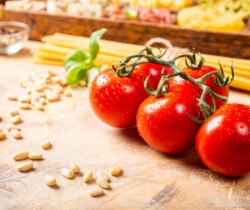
x=63 y=83
x=95 y=191
x=50 y=72
x=53 y=97
x=103 y=175
x=58 y=89
x=116 y=171
x=103 y=183
x=35 y=156
x=46 y=145
x=21 y=155
x=15 y=134
x=42 y=101
x=88 y=176
x=74 y=167
x=67 y=173
x=2 y=136
x=50 y=181
x=25 y=166
x=24 y=106
x=16 y=119
x=24 y=99
x=38 y=106
x=11 y=126
x=14 y=112
x=68 y=93
x=11 y=96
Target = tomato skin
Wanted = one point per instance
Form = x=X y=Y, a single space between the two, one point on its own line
x=197 y=73
x=164 y=123
x=223 y=141
x=115 y=99
x=155 y=72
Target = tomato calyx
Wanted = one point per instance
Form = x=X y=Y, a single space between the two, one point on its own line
x=127 y=65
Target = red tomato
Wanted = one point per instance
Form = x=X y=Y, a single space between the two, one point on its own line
x=115 y=99
x=223 y=141
x=155 y=72
x=197 y=73
x=164 y=123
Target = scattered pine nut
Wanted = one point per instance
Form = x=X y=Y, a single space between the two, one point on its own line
x=21 y=155
x=25 y=166
x=74 y=167
x=88 y=176
x=67 y=173
x=103 y=183
x=103 y=175
x=24 y=106
x=53 y=97
x=42 y=101
x=15 y=134
x=16 y=119
x=116 y=171
x=50 y=181
x=11 y=96
x=2 y=136
x=35 y=156
x=68 y=93
x=38 y=106
x=11 y=126
x=24 y=99
x=14 y=112
x=95 y=191
x=46 y=145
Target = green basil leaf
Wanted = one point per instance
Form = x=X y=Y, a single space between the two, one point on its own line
x=92 y=73
x=93 y=45
x=76 y=56
x=76 y=72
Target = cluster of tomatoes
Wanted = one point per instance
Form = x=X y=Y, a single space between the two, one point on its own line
x=170 y=123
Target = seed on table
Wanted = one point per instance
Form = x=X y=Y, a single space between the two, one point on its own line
x=15 y=134
x=2 y=136
x=42 y=101
x=14 y=112
x=38 y=106
x=88 y=176
x=11 y=126
x=24 y=106
x=24 y=99
x=67 y=173
x=11 y=96
x=103 y=175
x=53 y=97
x=74 y=167
x=25 y=166
x=103 y=183
x=46 y=145
x=95 y=191
x=21 y=155
x=68 y=93
x=116 y=171
x=35 y=156
x=16 y=119
x=50 y=181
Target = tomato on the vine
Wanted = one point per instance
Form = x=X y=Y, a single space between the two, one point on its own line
x=115 y=99
x=165 y=123
x=198 y=73
x=155 y=71
x=223 y=141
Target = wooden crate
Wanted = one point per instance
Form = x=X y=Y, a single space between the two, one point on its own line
x=217 y=43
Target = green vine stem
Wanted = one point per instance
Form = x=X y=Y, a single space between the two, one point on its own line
x=127 y=65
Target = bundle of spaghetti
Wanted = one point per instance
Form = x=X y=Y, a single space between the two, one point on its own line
x=56 y=47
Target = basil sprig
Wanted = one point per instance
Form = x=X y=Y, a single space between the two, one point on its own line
x=79 y=63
